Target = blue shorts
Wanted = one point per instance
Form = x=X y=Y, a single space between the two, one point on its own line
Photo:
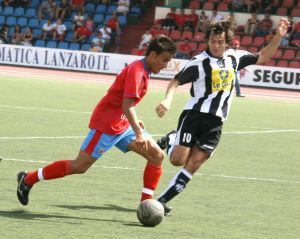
x=97 y=143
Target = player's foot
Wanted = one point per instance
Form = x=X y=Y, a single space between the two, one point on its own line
x=167 y=209
x=240 y=95
x=23 y=189
x=164 y=141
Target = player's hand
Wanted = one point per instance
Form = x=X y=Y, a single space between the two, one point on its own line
x=163 y=107
x=282 y=27
x=141 y=142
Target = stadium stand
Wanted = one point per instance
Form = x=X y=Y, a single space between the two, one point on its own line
x=133 y=24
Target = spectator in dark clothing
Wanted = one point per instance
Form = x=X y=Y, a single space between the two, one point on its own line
x=4 y=34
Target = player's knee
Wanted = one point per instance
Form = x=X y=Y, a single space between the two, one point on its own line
x=157 y=156
x=160 y=155
x=79 y=168
x=177 y=161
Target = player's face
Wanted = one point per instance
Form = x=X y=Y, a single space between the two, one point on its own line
x=217 y=45
x=159 y=62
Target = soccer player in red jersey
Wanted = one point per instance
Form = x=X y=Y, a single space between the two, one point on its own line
x=114 y=122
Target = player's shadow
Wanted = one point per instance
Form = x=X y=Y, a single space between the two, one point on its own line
x=106 y=207
x=25 y=215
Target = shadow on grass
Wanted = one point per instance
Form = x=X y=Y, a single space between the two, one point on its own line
x=25 y=215
x=106 y=207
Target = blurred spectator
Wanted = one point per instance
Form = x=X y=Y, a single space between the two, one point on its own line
x=27 y=37
x=231 y=18
x=191 y=21
x=47 y=30
x=59 y=30
x=114 y=25
x=180 y=19
x=78 y=20
x=22 y=3
x=169 y=22
x=264 y=26
x=194 y=4
x=63 y=9
x=81 y=34
x=266 y=6
x=202 y=22
x=238 y=6
x=15 y=3
x=123 y=7
x=4 y=34
x=77 y=5
x=89 y=23
x=8 y=3
x=145 y=39
x=184 y=50
x=17 y=35
x=251 y=5
x=235 y=46
x=47 y=9
x=106 y=34
x=251 y=24
x=296 y=34
x=216 y=17
x=98 y=43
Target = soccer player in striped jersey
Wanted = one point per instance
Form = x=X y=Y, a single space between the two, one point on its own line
x=114 y=122
x=212 y=76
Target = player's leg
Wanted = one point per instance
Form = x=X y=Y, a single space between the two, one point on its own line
x=153 y=168
x=196 y=139
x=153 y=154
x=86 y=157
x=195 y=159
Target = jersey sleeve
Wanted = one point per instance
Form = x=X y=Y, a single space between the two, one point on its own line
x=246 y=58
x=133 y=78
x=189 y=73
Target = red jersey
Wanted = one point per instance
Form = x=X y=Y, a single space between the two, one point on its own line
x=132 y=82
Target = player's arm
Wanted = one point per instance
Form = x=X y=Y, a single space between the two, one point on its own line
x=267 y=52
x=165 y=104
x=137 y=126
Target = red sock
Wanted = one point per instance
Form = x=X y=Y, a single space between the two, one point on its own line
x=54 y=170
x=152 y=175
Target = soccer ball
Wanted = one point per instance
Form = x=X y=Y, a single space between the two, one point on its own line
x=150 y=212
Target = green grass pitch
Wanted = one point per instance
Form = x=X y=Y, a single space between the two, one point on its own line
x=250 y=188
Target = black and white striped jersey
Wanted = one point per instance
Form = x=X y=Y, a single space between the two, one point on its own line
x=213 y=80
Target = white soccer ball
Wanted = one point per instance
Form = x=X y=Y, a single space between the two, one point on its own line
x=150 y=212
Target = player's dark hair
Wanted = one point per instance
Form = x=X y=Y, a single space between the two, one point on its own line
x=218 y=28
x=161 y=44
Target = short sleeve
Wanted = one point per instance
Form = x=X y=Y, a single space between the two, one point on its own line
x=189 y=73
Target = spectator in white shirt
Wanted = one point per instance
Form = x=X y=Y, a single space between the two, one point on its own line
x=47 y=30
x=59 y=30
x=123 y=7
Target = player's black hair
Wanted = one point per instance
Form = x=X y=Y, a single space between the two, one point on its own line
x=161 y=44
x=218 y=28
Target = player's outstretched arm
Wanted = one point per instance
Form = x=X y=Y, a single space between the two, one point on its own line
x=165 y=104
x=267 y=52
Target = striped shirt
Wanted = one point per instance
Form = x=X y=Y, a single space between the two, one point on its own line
x=213 y=80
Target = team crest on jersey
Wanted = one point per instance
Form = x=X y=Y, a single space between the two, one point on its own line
x=222 y=79
x=101 y=150
x=224 y=74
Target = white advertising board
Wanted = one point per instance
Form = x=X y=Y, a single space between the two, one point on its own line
x=284 y=78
